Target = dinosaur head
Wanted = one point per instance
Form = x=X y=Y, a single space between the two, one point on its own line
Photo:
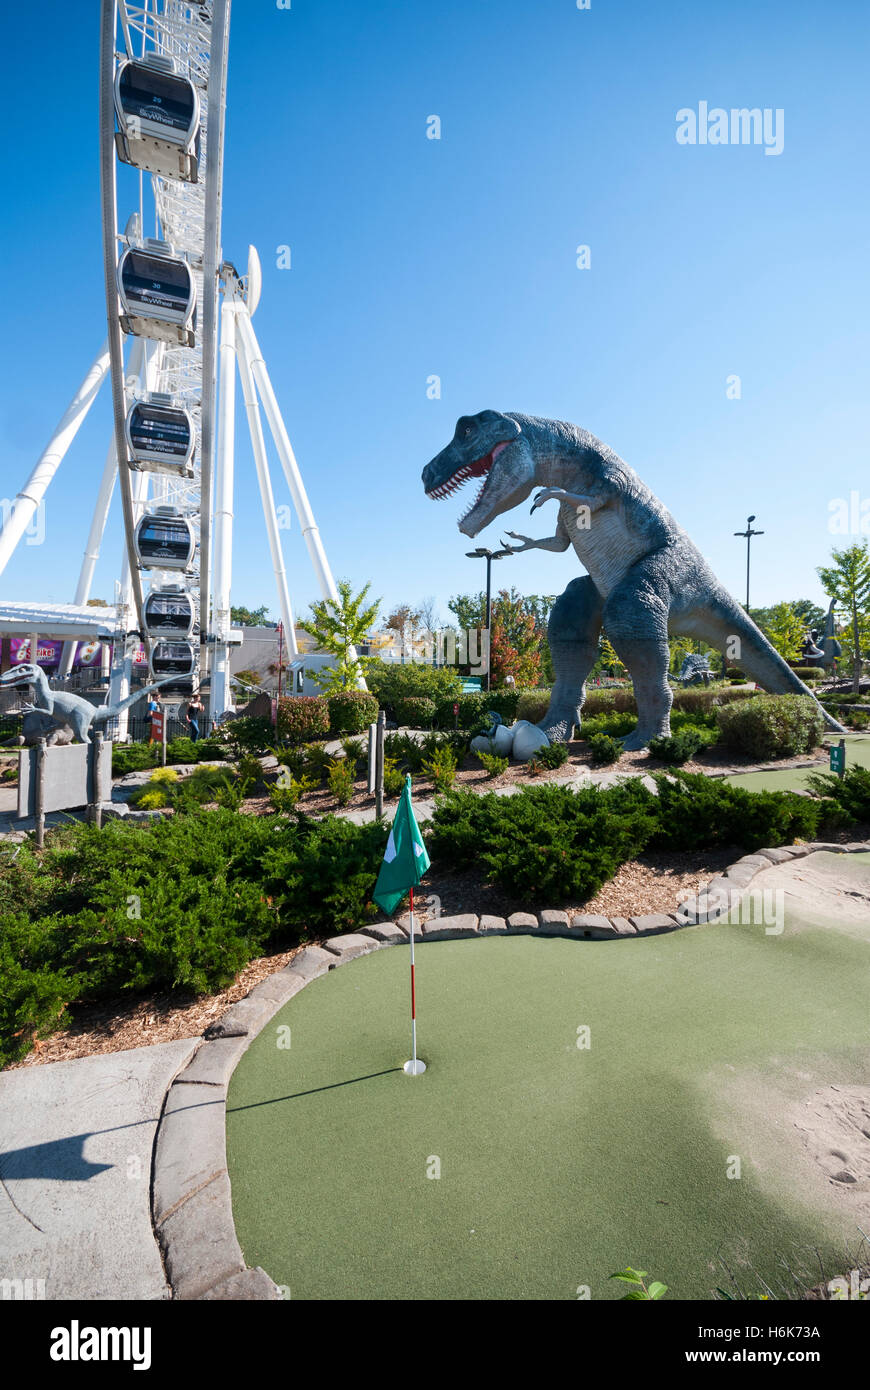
x=490 y=446
x=23 y=674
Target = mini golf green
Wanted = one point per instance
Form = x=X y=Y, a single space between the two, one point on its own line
x=794 y=778
x=558 y=1165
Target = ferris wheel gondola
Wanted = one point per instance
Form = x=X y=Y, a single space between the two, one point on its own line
x=158 y=293
x=176 y=660
x=170 y=613
x=165 y=540
x=158 y=112
x=161 y=437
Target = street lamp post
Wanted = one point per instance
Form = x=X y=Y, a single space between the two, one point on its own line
x=489 y=555
x=747 y=535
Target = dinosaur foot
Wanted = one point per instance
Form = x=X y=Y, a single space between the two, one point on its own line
x=639 y=738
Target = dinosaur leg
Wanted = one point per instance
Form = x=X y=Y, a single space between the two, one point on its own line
x=572 y=633
x=81 y=724
x=636 y=621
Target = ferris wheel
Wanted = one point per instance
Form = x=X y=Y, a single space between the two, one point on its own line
x=178 y=324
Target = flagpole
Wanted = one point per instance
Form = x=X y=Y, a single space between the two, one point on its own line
x=415 y=1067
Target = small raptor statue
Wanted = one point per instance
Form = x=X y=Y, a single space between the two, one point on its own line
x=65 y=708
x=645 y=577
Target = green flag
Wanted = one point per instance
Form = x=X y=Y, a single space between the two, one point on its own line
x=405 y=857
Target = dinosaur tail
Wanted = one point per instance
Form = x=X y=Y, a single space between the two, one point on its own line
x=110 y=711
x=725 y=620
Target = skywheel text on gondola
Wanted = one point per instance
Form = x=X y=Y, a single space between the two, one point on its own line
x=163 y=66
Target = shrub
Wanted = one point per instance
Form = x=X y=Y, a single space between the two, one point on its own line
x=415 y=711
x=133 y=757
x=405 y=751
x=317 y=761
x=695 y=812
x=604 y=749
x=340 y=780
x=351 y=711
x=441 y=768
x=356 y=753
x=473 y=707
x=394 y=778
x=181 y=750
x=504 y=702
x=321 y=874
x=807 y=673
x=302 y=718
x=547 y=844
x=35 y=993
x=153 y=798
x=619 y=698
x=552 y=756
x=10 y=773
x=391 y=683
x=250 y=734
x=213 y=750
x=289 y=791
x=610 y=722
x=772 y=726
x=493 y=764
x=850 y=792
x=681 y=746
x=533 y=705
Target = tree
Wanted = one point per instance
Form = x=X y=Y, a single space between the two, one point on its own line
x=429 y=614
x=784 y=630
x=250 y=617
x=405 y=621
x=515 y=643
x=848 y=581
x=608 y=658
x=337 y=625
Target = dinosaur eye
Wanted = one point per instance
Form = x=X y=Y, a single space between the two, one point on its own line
x=467 y=431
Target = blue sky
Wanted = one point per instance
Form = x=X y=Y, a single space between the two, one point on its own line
x=413 y=257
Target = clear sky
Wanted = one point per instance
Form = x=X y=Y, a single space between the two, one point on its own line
x=456 y=257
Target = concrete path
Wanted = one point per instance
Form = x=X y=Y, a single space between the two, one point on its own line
x=76 y=1141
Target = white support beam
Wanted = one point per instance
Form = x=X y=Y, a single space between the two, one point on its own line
x=223 y=511
x=92 y=549
x=258 y=444
x=31 y=495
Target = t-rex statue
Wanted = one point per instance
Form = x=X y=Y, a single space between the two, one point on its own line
x=646 y=579
x=65 y=708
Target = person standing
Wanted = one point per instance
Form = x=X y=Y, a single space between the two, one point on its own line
x=195 y=711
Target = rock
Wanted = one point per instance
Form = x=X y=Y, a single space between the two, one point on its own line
x=450 y=928
x=349 y=946
x=492 y=925
x=386 y=931
x=553 y=923
x=528 y=738
x=622 y=926
x=589 y=924
x=520 y=923
x=652 y=924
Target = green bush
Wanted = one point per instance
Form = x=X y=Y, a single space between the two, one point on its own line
x=415 y=711
x=213 y=750
x=181 y=750
x=548 y=844
x=441 y=768
x=610 y=722
x=340 y=781
x=34 y=993
x=356 y=753
x=391 y=683
x=505 y=702
x=134 y=757
x=772 y=726
x=351 y=711
x=807 y=673
x=493 y=764
x=533 y=705
x=317 y=761
x=289 y=791
x=552 y=756
x=404 y=751
x=321 y=874
x=302 y=718
x=680 y=747
x=473 y=708
x=697 y=812
x=250 y=734
x=604 y=749
x=394 y=778
x=851 y=792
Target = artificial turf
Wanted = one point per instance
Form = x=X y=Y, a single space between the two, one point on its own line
x=795 y=778
x=558 y=1165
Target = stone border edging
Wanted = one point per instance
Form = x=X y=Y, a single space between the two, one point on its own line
x=191 y=1202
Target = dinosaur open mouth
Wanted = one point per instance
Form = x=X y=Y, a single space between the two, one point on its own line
x=478 y=469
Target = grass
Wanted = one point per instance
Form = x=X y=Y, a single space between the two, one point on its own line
x=557 y=1165
x=794 y=778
